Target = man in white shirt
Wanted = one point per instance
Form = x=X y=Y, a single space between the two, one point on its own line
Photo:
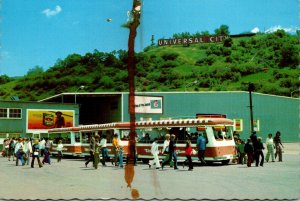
x=104 y=150
x=42 y=144
x=154 y=152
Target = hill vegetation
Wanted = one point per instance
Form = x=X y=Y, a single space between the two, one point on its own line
x=270 y=61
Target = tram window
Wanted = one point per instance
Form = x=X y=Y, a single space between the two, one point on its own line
x=65 y=137
x=86 y=136
x=77 y=137
x=228 y=133
x=124 y=134
x=44 y=135
x=109 y=135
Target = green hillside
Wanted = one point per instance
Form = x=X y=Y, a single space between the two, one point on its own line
x=270 y=61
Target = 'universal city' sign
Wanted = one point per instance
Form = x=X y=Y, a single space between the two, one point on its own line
x=192 y=40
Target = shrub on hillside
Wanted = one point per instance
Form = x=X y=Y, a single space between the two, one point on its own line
x=169 y=64
x=106 y=81
x=286 y=82
x=170 y=56
x=206 y=61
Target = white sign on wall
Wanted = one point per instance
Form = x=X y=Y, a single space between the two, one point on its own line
x=149 y=104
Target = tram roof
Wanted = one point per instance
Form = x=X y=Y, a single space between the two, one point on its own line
x=151 y=123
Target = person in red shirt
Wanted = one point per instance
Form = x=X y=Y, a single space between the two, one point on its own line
x=188 y=154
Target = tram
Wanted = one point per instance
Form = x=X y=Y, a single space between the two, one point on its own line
x=218 y=131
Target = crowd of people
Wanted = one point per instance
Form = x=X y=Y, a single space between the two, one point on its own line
x=26 y=150
x=252 y=150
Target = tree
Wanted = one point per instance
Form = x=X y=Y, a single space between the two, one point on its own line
x=222 y=30
x=4 y=79
x=35 y=71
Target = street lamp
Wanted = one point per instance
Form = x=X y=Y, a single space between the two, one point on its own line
x=190 y=84
x=81 y=87
x=251 y=87
x=294 y=91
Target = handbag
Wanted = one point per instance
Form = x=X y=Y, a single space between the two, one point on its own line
x=194 y=152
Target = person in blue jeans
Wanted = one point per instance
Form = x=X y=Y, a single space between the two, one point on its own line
x=172 y=153
x=120 y=153
x=35 y=154
x=19 y=152
x=201 y=145
x=104 y=149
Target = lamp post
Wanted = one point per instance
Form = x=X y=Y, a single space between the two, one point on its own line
x=251 y=88
x=81 y=87
x=190 y=84
x=295 y=91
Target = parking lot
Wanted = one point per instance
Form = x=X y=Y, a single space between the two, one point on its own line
x=71 y=179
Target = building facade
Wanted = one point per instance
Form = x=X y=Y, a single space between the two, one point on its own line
x=30 y=119
x=270 y=113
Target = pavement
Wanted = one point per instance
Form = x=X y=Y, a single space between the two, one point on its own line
x=70 y=179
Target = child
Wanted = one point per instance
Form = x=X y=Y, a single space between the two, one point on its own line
x=188 y=154
x=59 y=149
x=241 y=151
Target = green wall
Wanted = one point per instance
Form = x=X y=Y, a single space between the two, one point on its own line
x=275 y=113
x=19 y=125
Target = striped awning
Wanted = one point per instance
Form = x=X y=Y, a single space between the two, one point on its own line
x=98 y=126
x=66 y=129
x=146 y=124
x=184 y=122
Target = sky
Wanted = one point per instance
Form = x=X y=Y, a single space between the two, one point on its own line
x=40 y=32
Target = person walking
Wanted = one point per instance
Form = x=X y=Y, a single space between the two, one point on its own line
x=165 y=149
x=35 y=154
x=97 y=147
x=27 y=148
x=115 y=149
x=249 y=150
x=104 y=149
x=42 y=147
x=6 y=146
x=188 y=154
x=270 y=148
x=47 y=152
x=172 y=153
x=259 y=153
x=19 y=152
x=253 y=138
x=241 y=151
x=11 y=152
x=201 y=145
x=120 y=156
x=92 y=142
x=59 y=149
x=278 y=146
x=154 y=152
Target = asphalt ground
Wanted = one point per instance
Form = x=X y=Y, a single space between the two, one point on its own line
x=70 y=179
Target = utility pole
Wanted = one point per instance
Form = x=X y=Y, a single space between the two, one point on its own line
x=251 y=88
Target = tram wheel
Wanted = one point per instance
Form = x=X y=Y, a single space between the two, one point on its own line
x=225 y=162
x=145 y=161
